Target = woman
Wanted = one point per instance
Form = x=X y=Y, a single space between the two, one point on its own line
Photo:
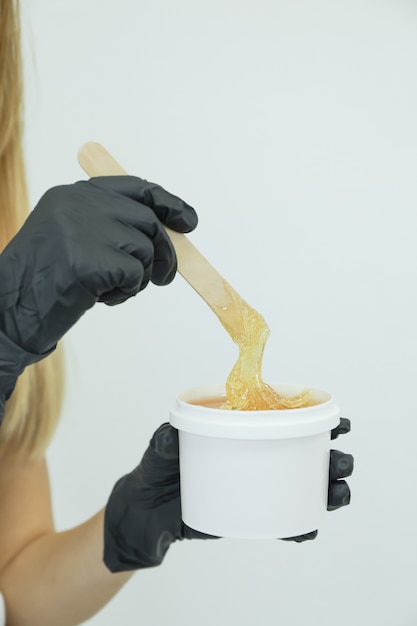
x=48 y=279
x=98 y=240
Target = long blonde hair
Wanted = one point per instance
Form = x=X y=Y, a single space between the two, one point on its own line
x=33 y=408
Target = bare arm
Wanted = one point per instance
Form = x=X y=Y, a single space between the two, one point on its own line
x=48 y=578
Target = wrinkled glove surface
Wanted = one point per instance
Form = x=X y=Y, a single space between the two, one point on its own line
x=96 y=240
x=143 y=514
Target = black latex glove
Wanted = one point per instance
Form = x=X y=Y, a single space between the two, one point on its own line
x=341 y=466
x=100 y=239
x=143 y=514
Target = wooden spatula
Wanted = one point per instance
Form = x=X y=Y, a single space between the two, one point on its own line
x=192 y=265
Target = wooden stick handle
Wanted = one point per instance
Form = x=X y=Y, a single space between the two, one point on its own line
x=192 y=265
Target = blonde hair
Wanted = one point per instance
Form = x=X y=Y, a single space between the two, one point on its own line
x=33 y=408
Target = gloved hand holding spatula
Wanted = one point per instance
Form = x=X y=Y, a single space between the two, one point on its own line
x=97 y=240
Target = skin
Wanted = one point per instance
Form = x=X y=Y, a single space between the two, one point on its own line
x=48 y=577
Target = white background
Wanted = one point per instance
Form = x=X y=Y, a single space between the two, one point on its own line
x=291 y=127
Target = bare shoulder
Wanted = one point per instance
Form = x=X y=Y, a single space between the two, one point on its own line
x=25 y=505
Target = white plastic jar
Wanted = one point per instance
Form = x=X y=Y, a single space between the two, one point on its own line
x=254 y=474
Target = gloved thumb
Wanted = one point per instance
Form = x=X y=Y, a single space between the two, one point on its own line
x=165 y=442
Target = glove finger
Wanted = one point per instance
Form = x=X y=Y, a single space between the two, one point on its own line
x=302 y=538
x=149 y=243
x=170 y=210
x=165 y=442
x=159 y=471
x=138 y=232
x=126 y=224
x=116 y=276
x=341 y=465
x=338 y=496
x=342 y=429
